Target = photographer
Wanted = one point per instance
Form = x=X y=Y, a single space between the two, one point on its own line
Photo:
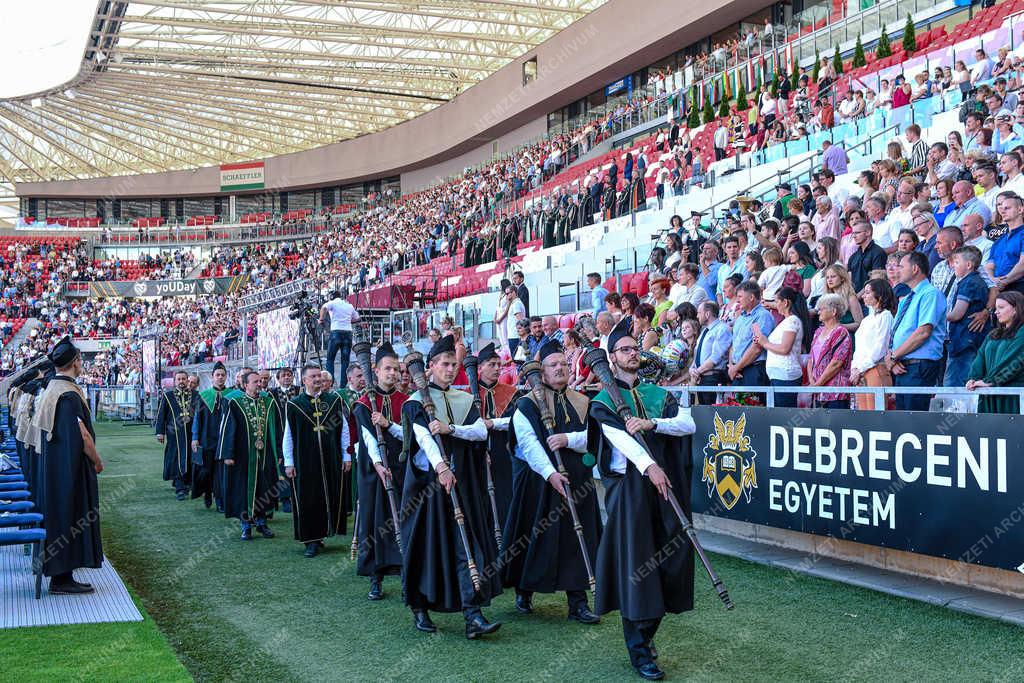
x=342 y=314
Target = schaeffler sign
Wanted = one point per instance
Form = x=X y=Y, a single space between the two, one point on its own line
x=244 y=176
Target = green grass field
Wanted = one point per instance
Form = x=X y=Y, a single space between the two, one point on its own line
x=260 y=611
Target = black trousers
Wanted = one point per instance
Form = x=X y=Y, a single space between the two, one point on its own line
x=638 y=635
x=713 y=378
x=576 y=599
x=754 y=375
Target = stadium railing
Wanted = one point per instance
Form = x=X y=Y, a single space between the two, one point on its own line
x=878 y=393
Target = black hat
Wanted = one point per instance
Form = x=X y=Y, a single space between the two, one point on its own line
x=64 y=353
x=620 y=331
x=549 y=347
x=385 y=350
x=445 y=344
x=219 y=366
x=486 y=353
x=784 y=186
x=694 y=214
x=26 y=376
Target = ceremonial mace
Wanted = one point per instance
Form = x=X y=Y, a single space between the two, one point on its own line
x=414 y=361
x=362 y=351
x=597 y=360
x=532 y=372
x=470 y=363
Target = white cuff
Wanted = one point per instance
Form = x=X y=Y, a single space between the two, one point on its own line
x=370 y=445
x=680 y=425
x=627 y=445
x=474 y=432
x=288 y=447
x=577 y=441
x=426 y=442
x=500 y=424
x=395 y=430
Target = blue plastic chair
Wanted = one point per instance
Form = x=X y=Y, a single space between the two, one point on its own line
x=8 y=496
x=13 y=486
x=17 y=506
x=35 y=538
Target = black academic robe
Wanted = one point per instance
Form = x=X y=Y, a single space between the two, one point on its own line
x=499 y=400
x=281 y=396
x=71 y=502
x=542 y=551
x=315 y=425
x=208 y=425
x=250 y=440
x=641 y=524
x=175 y=423
x=379 y=553
x=434 y=563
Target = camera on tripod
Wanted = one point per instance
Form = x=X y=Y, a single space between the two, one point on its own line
x=301 y=307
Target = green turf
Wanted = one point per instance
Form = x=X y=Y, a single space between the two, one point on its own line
x=260 y=611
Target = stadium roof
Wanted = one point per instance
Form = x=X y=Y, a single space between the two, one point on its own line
x=158 y=85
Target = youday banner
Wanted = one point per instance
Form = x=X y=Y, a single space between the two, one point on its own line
x=144 y=288
x=942 y=484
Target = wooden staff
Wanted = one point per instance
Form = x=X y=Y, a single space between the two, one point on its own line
x=414 y=361
x=362 y=351
x=532 y=372
x=471 y=363
x=597 y=361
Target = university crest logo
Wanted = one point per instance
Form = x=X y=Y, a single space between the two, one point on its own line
x=729 y=462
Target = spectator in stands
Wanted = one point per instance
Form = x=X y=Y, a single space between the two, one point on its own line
x=342 y=315
x=537 y=337
x=969 y=297
x=1006 y=260
x=597 y=293
x=982 y=69
x=943 y=204
x=516 y=313
x=871 y=341
x=733 y=265
x=1010 y=166
x=747 y=358
x=919 y=333
x=834 y=157
x=518 y=281
x=720 y=140
x=973 y=231
x=785 y=344
x=966 y=203
x=927 y=231
x=825 y=220
x=837 y=281
x=831 y=353
x=687 y=288
x=998 y=361
x=711 y=352
x=613 y=304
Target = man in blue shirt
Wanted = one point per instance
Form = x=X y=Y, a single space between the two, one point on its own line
x=966 y=203
x=597 y=293
x=709 y=265
x=733 y=264
x=1005 y=262
x=747 y=358
x=919 y=334
x=711 y=353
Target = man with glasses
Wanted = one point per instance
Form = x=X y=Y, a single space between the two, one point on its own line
x=900 y=217
x=747 y=358
x=1006 y=262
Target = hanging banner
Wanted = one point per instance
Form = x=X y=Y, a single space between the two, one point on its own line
x=245 y=176
x=142 y=288
x=941 y=484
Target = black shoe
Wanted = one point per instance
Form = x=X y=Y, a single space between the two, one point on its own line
x=654 y=650
x=376 y=590
x=220 y=507
x=208 y=501
x=422 y=622
x=286 y=506
x=650 y=671
x=524 y=604
x=180 y=495
x=311 y=549
x=265 y=531
x=478 y=626
x=70 y=588
x=583 y=615
x=247 y=533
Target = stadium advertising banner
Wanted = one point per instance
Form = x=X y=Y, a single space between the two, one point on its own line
x=141 y=288
x=276 y=338
x=941 y=484
x=245 y=176
x=149 y=366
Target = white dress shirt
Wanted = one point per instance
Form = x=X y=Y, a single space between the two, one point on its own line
x=871 y=340
x=370 y=444
x=532 y=450
x=429 y=455
x=625 y=447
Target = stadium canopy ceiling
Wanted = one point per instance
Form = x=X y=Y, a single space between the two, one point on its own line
x=157 y=85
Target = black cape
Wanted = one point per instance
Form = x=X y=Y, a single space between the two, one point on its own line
x=433 y=559
x=499 y=400
x=251 y=483
x=71 y=504
x=315 y=425
x=379 y=553
x=208 y=425
x=641 y=524
x=176 y=426
x=542 y=551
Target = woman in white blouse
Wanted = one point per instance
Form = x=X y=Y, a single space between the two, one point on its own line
x=786 y=343
x=871 y=341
